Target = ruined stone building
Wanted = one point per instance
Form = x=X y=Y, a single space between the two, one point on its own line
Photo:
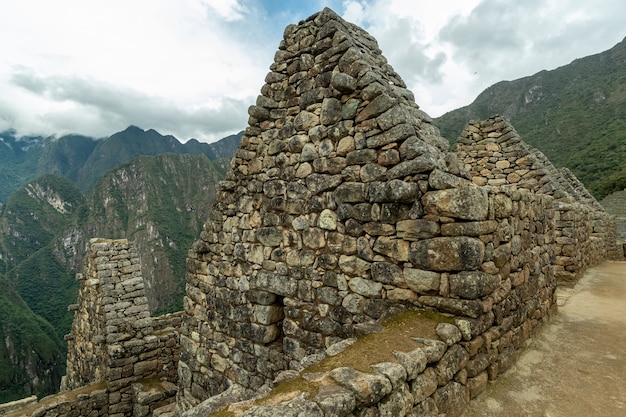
x=343 y=206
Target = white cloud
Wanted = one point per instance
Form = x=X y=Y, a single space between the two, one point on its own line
x=191 y=67
x=229 y=10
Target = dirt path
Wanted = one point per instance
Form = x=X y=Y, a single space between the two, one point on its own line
x=576 y=367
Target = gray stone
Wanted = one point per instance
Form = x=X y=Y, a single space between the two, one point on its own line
x=414 y=147
x=365 y=287
x=473 y=284
x=452 y=362
x=353 y=266
x=354 y=303
x=233 y=394
x=387 y=273
x=447 y=254
x=440 y=180
x=421 y=164
x=331 y=111
x=309 y=153
x=318 y=183
x=361 y=157
x=393 y=191
x=424 y=385
x=269 y=236
x=298 y=407
x=395 y=249
x=368 y=389
x=395 y=134
x=349 y=109
x=469 y=203
x=395 y=372
x=468 y=308
x=350 y=192
x=335 y=400
x=379 y=105
x=343 y=82
x=422 y=281
x=451 y=399
x=434 y=349
x=417 y=229
x=339 y=347
x=398 y=403
x=449 y=333
x=414 y=362
x=469 y=228
x=328 y=220
x=372 y=172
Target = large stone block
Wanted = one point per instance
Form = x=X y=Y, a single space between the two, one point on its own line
x=447 y=254
x=473 y=284
x=469 y=203
x=422 y=281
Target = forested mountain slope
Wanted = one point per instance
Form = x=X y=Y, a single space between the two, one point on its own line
x=575 y=114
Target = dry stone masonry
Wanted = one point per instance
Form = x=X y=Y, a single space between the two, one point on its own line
x=343 y=206
x=585 y=233
x=121 y=361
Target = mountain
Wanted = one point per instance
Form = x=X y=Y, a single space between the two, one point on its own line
x=32 y=358
x=33 y=218
x=161 y=204
x=19 y=157
x=575 y=114
x=83 y=160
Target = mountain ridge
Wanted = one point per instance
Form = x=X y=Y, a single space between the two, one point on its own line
x=574 y=114
x=84 y=159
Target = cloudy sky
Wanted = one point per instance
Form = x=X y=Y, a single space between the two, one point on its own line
x=191 y=68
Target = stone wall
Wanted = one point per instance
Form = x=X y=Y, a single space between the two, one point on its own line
x=343 y=206
x=495 y=308
x=496 y=155
x=113 y=339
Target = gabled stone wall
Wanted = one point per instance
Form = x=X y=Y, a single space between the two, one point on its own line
x=343 y=206
x=496 y=155
x=113 y=339
x=315 y=220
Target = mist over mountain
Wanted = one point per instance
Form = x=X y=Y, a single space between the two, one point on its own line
x=83 y=160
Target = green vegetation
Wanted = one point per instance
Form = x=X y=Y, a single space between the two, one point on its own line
x=575 y=114
x=158 y=202
x=84 y=160
x=26 y=340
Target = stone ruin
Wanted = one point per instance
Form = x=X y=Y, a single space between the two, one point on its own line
x=585 y=233
x=343 y=206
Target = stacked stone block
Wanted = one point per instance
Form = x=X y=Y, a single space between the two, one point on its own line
x=307 y=239
x=90 y=400
x=493 y=274
x=495 y=155
x=113 y=338
x=343 y=206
